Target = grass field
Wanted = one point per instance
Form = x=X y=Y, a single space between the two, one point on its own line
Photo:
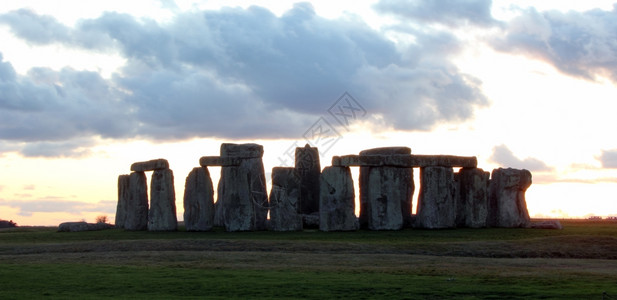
x=578 y=262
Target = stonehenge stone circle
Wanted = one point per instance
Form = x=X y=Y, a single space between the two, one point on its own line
x=162 y=213
x=285 y=200
x=304 y=197
x=436 y=200
x=385 y=192
x=472 y=197
x=507 y=206
x=336 y=200
x=308 y=168
x=242 y=203
x=198 y=200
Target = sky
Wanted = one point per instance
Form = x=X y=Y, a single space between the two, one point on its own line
x=88 y=88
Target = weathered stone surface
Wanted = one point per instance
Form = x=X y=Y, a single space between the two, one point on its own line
x=507 y=205
x=405 y=161
x=284 y=200
x=549 y=224
x=308 y=167
x=336 y=201
x=123 y=199
x=206 y=161
x=387 y=151
x=162 y=214
x=385 y=197
x=82 y=226
x=242 y=150
x=198 y=201
x=472 y=198
x=242 y=203
x=151 y=165
x=137 y=206
x=73 y=227
x=436 y=201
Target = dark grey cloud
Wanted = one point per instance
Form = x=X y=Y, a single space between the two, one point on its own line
x=608 y=158
x=581 y=44
x=448 y=12
x=59 y=205
x=231 y=73
x=503 y=156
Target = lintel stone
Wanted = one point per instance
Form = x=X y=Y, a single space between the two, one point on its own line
x=409 y=161
x=151 y=165
x=222 y=161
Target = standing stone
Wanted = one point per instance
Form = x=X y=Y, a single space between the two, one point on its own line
x=123 y=199
x=198 y=200
x=308 y=168
x=162 y=215
x=242 y=203
x=386 y=192
x=507 y=205
x=472 y=198
x=137 y=205
x=284 y=200
x=336 y=200
x=436 y=201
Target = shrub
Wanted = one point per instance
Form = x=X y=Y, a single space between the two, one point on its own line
x=7 y=224
x=101 y=219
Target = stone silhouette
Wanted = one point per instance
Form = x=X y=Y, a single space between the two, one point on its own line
x=198 y=200
x=285 y=200
x=507 y=205
x=336 y=200
x=132 y=211
x=242 y=203
x=308 y=168
x=385 y=191
x=123 y=198
x=136 y=215
x=436 y=200
x=472 y=197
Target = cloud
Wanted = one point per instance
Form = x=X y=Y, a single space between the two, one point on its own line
x=503 y=156
x=608 y=158
x=232 y=73
x=581 y=44
x=58 y=205
x=448 y=12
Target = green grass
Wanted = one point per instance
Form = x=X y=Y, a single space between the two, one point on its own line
x=579 y=262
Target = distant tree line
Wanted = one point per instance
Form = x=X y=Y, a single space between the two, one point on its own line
x=7 y=224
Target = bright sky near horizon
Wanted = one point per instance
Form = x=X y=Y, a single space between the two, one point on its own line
x=87 y=88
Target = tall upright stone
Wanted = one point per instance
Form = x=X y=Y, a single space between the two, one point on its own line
x=123 y=199
x=308 y=168
x=507 y=204
x=242 y=203
x=285 y=200
x=336 y=200
x=472 y=197
x=386 y=191
x=137 y=205
x=162 y=214
x=198 y=200
x=436 y=201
